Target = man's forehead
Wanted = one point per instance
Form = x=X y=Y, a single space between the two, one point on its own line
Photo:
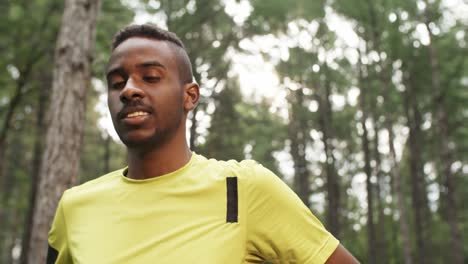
x=140 y=48
x=141 y=42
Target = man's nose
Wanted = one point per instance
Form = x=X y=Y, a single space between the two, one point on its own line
x=130 y=92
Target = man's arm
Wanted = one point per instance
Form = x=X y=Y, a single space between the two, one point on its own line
x=341 y=256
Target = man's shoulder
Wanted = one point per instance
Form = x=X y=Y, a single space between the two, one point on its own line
x=101 y=184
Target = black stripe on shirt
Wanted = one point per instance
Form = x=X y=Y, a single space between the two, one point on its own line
x=232 y=203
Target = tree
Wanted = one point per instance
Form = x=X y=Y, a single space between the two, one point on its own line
x=422 y=217
x=208 y=33
x=71 y=79
x=299 y=136
x=265 y=132
x=29 y=74
x=20 y=57
x=295 y=81
x=363 y=101
x=225 y=138
x=43 y=101
x=442 y=126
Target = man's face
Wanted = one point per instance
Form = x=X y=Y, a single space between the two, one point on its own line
x=145 y=95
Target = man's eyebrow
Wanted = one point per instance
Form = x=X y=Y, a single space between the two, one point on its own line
x=150 y=64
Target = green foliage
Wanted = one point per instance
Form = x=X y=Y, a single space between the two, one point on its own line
x=265 y=132
x=272 y=16
x=19 y=60
x=225 y=139
x=113 y=17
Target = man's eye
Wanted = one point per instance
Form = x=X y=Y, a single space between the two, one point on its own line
x=118 y=85
x=151 y=79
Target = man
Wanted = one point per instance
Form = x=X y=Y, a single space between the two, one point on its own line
x=171 y=205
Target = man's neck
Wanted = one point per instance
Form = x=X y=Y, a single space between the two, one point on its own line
x=159 y=161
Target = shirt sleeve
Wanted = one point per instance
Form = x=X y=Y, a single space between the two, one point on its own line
x=58 y=250
x=280 y=228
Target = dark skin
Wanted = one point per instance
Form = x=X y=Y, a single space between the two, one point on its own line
x=341 y=256
x=143 y=78
x=149 y=104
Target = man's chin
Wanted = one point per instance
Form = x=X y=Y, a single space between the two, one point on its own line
x=133 y=142
x=141 y=141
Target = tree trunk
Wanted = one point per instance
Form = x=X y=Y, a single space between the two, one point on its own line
x=298 y=135
x=71 y=79
x=369 y=188
x=42 y=103
x=332 y=182
x=12 y=105
x=6 y=177
x=381 y=248
x=455 y=247
x=400 y=197
x=6 y=217
x=384 y=82
x=371 y=238
x=15 y=232
x=418 y=181
x=395 y=247
x=11 y=192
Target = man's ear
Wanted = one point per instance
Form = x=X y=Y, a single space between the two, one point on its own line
x=191 y=96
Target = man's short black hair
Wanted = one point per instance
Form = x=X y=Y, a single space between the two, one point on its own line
x=152 y=31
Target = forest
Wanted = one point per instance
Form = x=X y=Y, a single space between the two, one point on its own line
x=357 y=105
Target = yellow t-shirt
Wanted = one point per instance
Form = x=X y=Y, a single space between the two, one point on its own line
x=206 y=212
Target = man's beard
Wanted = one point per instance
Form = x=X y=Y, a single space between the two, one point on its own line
x=160 y=136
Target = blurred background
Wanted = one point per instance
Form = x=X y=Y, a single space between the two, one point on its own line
x=359 y=105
